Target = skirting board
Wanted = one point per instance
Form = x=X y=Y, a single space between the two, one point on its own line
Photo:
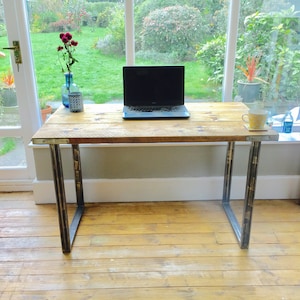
x=169 y=189
x=16 y=185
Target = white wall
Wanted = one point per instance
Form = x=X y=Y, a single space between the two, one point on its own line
x=170 y=172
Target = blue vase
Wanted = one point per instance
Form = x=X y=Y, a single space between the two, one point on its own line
x=68 y=88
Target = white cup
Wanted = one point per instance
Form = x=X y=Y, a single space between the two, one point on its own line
x=256 y=118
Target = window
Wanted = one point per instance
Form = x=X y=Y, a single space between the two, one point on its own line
x=267 y=69
x=180 y=30
x=193 y=33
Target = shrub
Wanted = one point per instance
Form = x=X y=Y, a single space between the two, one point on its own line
x=173 y=29
x=144 y=9
x=212 y=55
x=156 y=57
x=60 y=26
x=100 y=12
x=104 y=17
x=275 y=37
x=3 y=31
x=114 y=42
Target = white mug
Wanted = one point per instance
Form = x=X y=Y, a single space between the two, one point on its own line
x=256 y=118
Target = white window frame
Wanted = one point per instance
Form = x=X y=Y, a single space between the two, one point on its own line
x=17 y=29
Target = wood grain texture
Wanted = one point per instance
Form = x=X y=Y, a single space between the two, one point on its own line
x=154 y=250
x=209 y=122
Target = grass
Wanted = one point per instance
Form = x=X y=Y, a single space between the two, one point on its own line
x=6 y=145
x=98 y=76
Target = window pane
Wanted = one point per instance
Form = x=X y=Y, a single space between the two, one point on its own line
x=9 y=114
x=184 y=32
x=98 y=74
x=268 y=55
x=12 y=153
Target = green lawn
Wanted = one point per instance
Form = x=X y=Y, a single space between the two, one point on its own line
x=98 y=76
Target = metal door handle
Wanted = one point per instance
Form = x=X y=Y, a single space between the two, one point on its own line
x=17 y=52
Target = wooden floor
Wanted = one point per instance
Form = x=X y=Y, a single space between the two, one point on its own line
x=168 y=250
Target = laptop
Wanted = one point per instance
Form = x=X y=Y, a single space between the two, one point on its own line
x=154 y=92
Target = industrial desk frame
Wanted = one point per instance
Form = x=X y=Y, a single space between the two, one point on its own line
x=68 y=233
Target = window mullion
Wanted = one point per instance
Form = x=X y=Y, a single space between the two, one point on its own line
x=129 y=32
x=232 y=33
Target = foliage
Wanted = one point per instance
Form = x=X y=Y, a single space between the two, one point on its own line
x=275 y=37
x=143 y=9
x=251 y=71
x=43 y=103
x=100 y=13
x=76 y=12
x=3 y=31
x=49 y=15
x=272 y=36
x=207 y=9
x=158 y=57
x=173 y=29
x=8 y=92
x=8 y=79
x=58 y=26
x=42 y=13
x=100 y=76
x=7 y=144
x=212 y=55
x=114 y=41
x=104 y=17
x=66 y=52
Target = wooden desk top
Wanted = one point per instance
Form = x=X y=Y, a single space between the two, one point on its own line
x=103 y=123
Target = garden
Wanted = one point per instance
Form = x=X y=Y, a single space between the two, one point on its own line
x=191 y=33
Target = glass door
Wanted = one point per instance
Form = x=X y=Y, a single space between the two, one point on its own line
x=19 y=113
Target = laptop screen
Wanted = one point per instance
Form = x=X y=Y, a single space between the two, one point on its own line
x=153 y=85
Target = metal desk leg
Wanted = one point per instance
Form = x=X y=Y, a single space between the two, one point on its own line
x=227 y=188
x=250 y=193
x=242 y=234
x=58 y=179
x=67 y=235
x=79 y=192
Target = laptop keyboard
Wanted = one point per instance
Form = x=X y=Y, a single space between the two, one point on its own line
x=153 y=108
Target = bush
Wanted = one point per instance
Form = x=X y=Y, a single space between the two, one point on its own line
x=144 y=9
x=212 y=55
x=114 y=42
x=156 y=57
x=104 y=17
x=275 y=38
x=60 y=26
x=99 y=11
x=173 y=29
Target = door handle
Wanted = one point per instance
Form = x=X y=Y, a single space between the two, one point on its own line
x=17 y=52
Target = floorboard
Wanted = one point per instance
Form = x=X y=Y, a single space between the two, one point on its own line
x=154 y=250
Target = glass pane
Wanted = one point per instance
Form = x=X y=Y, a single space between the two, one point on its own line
x=12 y=153
x=185 y=32
x=268 y=55
x=98 y=75
x=9 y=115
x=9 y=111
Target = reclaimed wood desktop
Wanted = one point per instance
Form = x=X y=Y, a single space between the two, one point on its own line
x=209 y=122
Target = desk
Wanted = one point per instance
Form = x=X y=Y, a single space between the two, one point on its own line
x=209 y=122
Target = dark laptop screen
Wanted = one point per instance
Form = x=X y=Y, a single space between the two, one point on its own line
x=153 y=85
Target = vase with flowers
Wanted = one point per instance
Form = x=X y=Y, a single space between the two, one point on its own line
x=67 y=60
